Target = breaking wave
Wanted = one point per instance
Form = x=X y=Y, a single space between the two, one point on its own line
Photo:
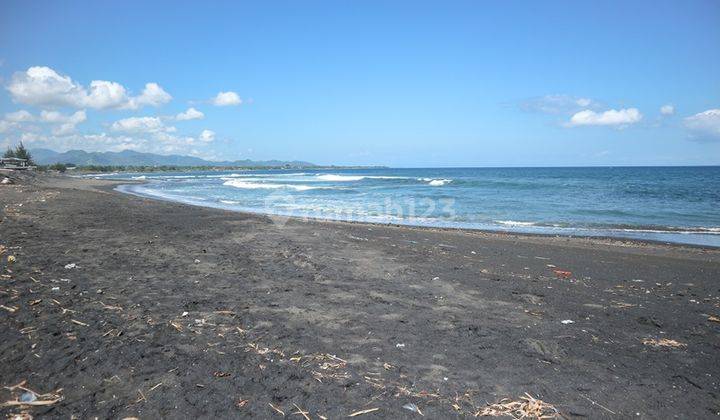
x=238 y=183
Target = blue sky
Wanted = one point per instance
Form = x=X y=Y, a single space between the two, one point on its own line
x=365 y=82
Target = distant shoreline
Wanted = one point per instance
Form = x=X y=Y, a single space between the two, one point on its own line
x=118 y=186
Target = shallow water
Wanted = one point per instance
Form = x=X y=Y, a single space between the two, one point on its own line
x=674 y=204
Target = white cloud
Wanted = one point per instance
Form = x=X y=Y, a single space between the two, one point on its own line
x=43 y=86
x=190 y=114
x=57 y=117
x=19 y=116
x=152 y=95
x=207 y=136
x=557 y=104
x=63 y=124
x=667 y=109
x=226 y=99
x=66 y=123
x=104 y=94
x=141 y=125
x=704 y=126
x=617 y=118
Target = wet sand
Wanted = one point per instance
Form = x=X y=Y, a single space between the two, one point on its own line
x=142 y=308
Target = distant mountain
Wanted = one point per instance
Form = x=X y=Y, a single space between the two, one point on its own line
x=132 y=158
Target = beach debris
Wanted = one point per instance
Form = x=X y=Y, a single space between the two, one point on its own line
x=197 y=261
x=70 y=266
x=111 y=307
x=6 y=180
x=10 y=309
x=11 y=259
x=567 y=321
x=400 y=345
x=30 y=397
x=525 y=407
x=412 y=407
x=241 y=403
x=75 y=321
x=221 y=374
x=361 y=412
x=301 y=412
x=184 y=314
x=663 y=342
x=599 y=405
x=713 y=318
x=282 y=413
x=563 y=274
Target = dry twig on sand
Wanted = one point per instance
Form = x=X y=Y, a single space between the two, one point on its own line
x=663 y=342
x=282 y=413
x=525 y=407
x=301 y=412
x=361 y=412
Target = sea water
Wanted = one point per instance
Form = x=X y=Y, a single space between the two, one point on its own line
x=673 y=204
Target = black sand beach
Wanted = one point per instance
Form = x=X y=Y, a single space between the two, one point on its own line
x=119 y=306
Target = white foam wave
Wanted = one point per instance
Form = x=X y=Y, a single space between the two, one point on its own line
x=229 y=202
x=238 y=183
x=439 y=182
x=139 y=177
x=514 y=223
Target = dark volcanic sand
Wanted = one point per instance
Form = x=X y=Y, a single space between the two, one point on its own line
x=420 y=316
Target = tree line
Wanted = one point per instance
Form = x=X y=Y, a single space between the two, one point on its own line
x=19 y=152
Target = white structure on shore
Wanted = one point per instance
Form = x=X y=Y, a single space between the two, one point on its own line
x=14 y=163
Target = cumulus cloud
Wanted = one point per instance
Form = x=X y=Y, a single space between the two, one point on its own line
x=557 y=104
x=66 y=123
x=57 y=117
x=63 y=124
x=704 y=126
x=43 y=86
x=207 y=136
x=141 y=125
x=19 y=116
x=152 y=95
x=612 y=117
x=226 y=99
x=51 y=91
x=190 y=114
x=5 y=126
x=667 y=109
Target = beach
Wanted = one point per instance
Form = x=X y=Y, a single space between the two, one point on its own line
x=115 y=306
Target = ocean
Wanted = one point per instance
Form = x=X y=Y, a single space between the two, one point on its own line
x=672 y=204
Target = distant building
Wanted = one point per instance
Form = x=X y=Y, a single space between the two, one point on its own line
x=13 y=163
